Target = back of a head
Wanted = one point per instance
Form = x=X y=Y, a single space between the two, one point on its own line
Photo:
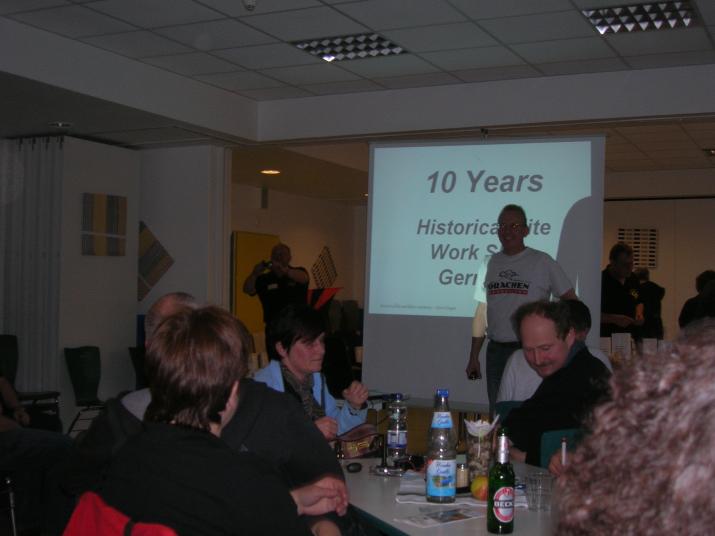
x=703 y=279
x=194 y=358
x=294 y=323
x=642 y=273
x=651 y=453
x=165 y=306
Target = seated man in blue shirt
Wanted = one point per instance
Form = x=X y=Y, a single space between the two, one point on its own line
x=296 y=344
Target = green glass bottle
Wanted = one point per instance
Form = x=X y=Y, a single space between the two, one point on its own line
x=500 y=506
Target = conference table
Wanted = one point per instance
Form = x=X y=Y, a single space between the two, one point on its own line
x=374 y=496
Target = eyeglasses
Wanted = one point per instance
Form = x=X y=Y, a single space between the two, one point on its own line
x=512 y=226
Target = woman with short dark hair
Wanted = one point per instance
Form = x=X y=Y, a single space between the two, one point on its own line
x=296 y=340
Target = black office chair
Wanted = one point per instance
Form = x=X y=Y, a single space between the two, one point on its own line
x=42 y=406
x=84 y=366
x=137 y=355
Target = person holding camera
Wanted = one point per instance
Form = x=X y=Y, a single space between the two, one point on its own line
x=277 y=283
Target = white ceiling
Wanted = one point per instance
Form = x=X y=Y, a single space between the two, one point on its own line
x=221 y=43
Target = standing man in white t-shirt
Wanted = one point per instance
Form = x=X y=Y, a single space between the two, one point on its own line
x=514 y=276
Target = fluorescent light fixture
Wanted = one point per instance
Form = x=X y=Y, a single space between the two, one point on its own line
x=270 y=172
x=350 y=47
x=642 y=17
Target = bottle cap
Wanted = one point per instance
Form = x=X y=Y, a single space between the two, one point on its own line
x=442 y=392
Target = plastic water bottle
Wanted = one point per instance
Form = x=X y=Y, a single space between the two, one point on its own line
x=397 y=427
x=442 y=454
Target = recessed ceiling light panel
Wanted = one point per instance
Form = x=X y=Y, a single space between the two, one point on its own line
x=350 y=47
x=642 y=17
x=270 y=171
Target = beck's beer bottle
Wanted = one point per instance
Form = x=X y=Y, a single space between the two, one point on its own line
x=500 y=506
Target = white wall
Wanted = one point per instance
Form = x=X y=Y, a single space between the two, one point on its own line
x=306 y=225
x=185 y=204
x=98 y=294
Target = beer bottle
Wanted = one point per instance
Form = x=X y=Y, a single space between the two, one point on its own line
x=500 y=506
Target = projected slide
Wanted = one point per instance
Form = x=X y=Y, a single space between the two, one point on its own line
x=432 y=217
x=434 y=209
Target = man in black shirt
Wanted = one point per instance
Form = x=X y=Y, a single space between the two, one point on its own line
x=573 y=380
x=621 y=306
x=277 y=283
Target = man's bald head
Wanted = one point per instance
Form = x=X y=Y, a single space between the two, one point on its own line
x=163 y=308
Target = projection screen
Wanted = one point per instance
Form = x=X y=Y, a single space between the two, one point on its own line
x=432 y=215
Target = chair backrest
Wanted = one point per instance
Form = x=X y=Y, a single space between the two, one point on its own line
x=84 y=366
x=551 y=442
x=93 y=516
x=9 y=355
x=504 y=407
x=137 y=355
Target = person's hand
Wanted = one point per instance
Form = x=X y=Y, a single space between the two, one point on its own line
x=329 y=494
x=517 y=455
x=555 y=465
x=325 y=527
x=21 y=416
x=622 y=321
x=356 y=394
x=259 y=268
x=473 y=369
x=327 y=426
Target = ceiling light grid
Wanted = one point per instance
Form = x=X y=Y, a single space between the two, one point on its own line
x=641 y=17
x=350 y=47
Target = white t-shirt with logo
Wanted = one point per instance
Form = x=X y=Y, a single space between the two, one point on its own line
x=510 y=281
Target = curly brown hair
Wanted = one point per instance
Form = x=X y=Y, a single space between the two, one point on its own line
x=649 y=464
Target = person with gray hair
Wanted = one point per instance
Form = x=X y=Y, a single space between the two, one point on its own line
x=137 y=401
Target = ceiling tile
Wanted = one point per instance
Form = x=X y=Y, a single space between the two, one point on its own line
x=238 y=81
x=497 y=73
x=310 y=74
x=383 y=14
x=442 y=37
x=267 y=56
x=564 y=50
x=216 y=34
x=72 y=21
x=599 y=65
x=419 y=80
x=154 y=13
x=653 y=133
x=671 y=60
x=559 y=25
x=12 y=6
x=473 y=58
x=353 y=86
x=192 y=64
x=305 y=24
x=660 y=42
x=235 y=8
x=275 y=93
x=707 y=11
x=403 y=64
x=137 y=44
x=489 y=9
